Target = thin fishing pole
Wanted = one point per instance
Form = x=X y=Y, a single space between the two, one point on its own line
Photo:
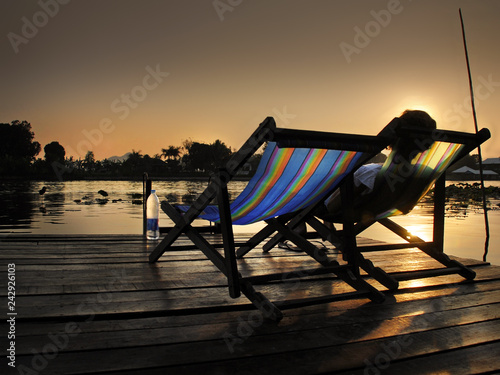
x=485 y=209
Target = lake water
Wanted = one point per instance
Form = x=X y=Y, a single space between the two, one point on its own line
x=76 y=207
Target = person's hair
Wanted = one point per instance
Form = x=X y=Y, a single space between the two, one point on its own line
x=415 y=117
x=408 y=147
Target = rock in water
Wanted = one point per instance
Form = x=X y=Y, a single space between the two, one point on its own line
x=103 y=193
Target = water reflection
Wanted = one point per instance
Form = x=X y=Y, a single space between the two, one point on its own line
x=52 y=206
x=77 y=207
x=87 y=206
x=16 y=205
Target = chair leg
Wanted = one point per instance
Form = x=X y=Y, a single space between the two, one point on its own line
x=172 y=235
x=293 y=220
x=254 y=241
x=359 y=260
x=345 y=274
x=227 y=265
x=376 y=272
x=226 y=225
x=429 y=248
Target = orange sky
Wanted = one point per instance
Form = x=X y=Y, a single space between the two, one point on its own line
x=116 y=75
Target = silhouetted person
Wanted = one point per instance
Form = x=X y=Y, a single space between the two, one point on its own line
x=404 y=150
x=367 y=178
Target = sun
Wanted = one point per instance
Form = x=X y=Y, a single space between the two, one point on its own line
x=415 y=102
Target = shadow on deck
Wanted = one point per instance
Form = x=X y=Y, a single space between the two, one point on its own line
x=93 y=304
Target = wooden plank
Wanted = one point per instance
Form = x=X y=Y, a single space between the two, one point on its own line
x=100 y=335
x=478 y=359
x=307 y=351
x=136 y=318
x=79 y=306
x=189 y=269
x=247 y=266
x=317 y=316
x=412 y=260
x=129 y=280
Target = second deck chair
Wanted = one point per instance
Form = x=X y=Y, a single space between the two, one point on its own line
x=399 y=186
x=298 y=169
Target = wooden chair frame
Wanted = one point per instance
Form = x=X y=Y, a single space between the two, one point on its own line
x=345 y=239
x=227 y=263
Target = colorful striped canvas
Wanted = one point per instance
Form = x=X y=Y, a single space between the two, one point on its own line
x=425 y=168
x=287 y=180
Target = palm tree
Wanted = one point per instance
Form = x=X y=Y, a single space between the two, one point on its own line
x=171 y=152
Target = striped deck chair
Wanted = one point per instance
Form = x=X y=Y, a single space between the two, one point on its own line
x=399 y=186
x=298 y=170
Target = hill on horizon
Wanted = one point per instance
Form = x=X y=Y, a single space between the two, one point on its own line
x=119 y=158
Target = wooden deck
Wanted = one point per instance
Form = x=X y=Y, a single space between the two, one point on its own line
x=94 y=305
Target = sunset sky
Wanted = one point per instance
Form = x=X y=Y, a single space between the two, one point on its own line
x=115 y=75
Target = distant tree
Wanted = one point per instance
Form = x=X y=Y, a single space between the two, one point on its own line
x=134 y=157
x=133 y=165
x=17 y=148
x=53 y=164
x=254 y=162
x=197 y=157
x=54 y=152
x=172 y=156
x=206 y=157
x=111 y=168
x=89 y=162
x=187 y=143
x=220 y=153
x=136 y=164
x=171 y=153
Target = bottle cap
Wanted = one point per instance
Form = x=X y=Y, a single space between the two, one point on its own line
x=153 y=191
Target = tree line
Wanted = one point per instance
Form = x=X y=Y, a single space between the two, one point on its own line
x=20 y=157
x=19 y=151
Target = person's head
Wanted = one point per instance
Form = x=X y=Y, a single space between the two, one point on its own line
x=408 y=147
x=415 y=117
